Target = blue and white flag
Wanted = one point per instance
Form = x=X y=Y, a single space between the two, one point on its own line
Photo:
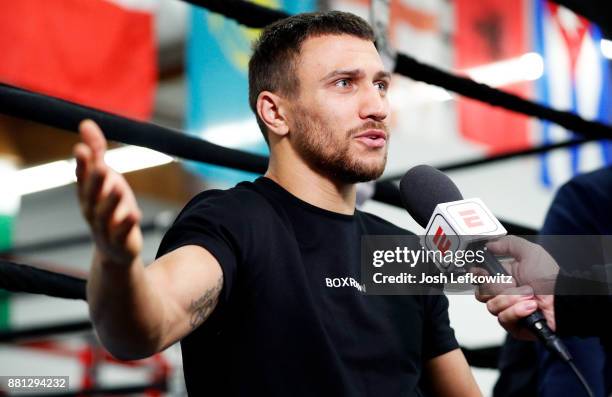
x=577 y=79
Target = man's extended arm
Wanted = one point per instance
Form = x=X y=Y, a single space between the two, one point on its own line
x=136 y=310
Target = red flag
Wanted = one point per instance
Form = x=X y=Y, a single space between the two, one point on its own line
x=92 y=52
x=488 y=31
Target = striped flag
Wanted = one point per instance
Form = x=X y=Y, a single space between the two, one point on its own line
x=577 y=79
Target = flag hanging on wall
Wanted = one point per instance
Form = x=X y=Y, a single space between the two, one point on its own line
x=577 y=79
x=488 y=32
x=218 y=52
x=96 y=52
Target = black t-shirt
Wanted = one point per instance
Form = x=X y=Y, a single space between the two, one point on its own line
x=292 y=320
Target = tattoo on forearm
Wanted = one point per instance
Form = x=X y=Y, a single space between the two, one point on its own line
x=203 y=306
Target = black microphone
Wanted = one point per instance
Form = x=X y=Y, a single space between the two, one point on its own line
x=435 y=188
x=423 y=189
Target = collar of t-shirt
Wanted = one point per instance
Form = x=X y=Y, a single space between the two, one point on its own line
x=267 y=185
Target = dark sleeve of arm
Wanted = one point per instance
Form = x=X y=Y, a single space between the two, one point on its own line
x=211 y=220
x=573 y=211
x=581 y=315
x=438 y=335
x=570 y=215
x=582 y=302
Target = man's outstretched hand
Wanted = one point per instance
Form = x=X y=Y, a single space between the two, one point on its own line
x=107 y=201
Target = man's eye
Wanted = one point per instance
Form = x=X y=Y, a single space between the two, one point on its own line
x=343 y=83
x=382 y=86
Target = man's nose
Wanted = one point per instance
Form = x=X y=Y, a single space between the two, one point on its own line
x=374 y=105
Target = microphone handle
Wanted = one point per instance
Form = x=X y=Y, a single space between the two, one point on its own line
x=492 y=264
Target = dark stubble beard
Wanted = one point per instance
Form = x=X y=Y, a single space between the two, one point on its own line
x=331 y=156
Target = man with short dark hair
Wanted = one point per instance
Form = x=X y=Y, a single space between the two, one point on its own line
x=261 y=282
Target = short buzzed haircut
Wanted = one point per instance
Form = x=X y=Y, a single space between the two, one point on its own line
x=273 y=63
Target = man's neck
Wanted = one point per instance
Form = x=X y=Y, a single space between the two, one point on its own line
x=312 y=187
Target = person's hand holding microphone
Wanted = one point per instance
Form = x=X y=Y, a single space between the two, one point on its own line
x=535 y=272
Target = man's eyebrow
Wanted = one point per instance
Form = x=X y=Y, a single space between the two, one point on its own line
x=344 y=72
x=383 y=74
x=355 y=73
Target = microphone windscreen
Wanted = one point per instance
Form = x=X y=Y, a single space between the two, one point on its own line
x=422 y=188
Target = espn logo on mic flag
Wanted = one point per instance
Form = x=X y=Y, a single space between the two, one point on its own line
x=440 y=236
x=472 y=217
x=441 y=240
x=458 y=224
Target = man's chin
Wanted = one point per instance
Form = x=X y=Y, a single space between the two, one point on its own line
x=359 y=174
x=353 y=168
x=373 y=168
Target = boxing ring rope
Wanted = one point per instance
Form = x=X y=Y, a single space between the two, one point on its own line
x=503 y=156
x=62 y=114
x=410 y=67
x=245 y=13
x=65 y=115
x=17 y=277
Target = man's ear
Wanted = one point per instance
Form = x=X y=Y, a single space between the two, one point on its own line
x=271 y=109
